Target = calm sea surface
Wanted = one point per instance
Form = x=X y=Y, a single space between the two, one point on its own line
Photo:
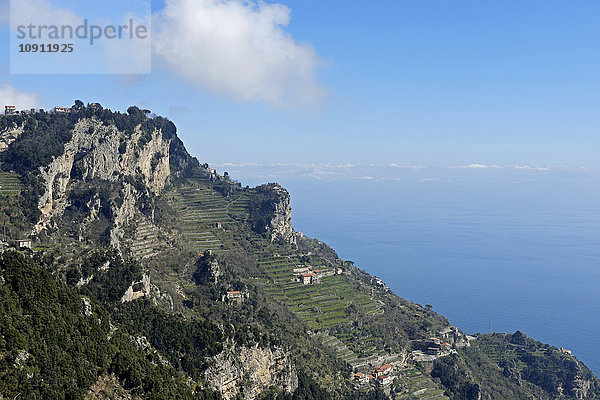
x=525 y=256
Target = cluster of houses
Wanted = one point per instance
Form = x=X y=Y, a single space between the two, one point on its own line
x=10 y=110
x=435 y=347
x=307 y=276
x=432 y=349
x=381 y=376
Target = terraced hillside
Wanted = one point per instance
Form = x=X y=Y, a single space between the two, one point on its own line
x=146 y=241
x=9 y=183
x=418 y=386
x=324 y=305
x=280 y=335
x=203 y=213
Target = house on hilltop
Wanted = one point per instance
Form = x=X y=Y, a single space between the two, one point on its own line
x=8 y=110
x=212 y=174
x=565 y=351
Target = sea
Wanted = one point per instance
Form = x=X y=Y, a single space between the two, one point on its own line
x=500 y=250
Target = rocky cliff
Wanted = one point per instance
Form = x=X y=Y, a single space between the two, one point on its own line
x=137 y=290
x=103 y=152
x=249 y=371
x=100 y=180
x=9 y=135
x=280 y=224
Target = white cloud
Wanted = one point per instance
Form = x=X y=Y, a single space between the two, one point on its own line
x=480 y=166
x=530 y=168
x=238 y=48
x=522 y=167
x=9 y=95
x=415 y=167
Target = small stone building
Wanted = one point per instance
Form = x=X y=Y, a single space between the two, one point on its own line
x=23 y=244
x=236 y=296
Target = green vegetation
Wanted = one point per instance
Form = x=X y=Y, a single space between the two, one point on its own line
x=54 y=345
x=64 y=330
x=515 y=367
x=43 y=138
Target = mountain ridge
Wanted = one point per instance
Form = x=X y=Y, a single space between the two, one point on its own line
x=121 y=214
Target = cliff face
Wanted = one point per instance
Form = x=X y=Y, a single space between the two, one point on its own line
x=580 y=386
x=248 y=371
x=137 y=290
x=100 y=152
x=208 y=270
x=9 y=135
x=271 y=212
x=281 y=222
x=127 y=181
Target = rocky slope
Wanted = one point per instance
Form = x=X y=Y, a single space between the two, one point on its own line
x=103 y=152
x=224 y=300
x=250 y=371
x=9 y=134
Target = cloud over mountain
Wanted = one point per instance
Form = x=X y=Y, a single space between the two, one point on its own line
x=239 y=49
x=9 y=95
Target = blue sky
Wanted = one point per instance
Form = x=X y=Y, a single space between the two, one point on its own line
x=408 y=82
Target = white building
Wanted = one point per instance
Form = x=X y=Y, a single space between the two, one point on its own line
x=24 y=244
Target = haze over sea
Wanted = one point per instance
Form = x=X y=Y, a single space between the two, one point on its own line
x=518 y=246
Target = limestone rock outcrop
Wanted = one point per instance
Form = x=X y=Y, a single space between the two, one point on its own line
x=137 y=290
x=280 y=225
x=9 y=135
x=258 y=368
x=103 y=152
x=207 y=269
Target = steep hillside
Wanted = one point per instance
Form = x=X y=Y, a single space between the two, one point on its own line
x=166 y=279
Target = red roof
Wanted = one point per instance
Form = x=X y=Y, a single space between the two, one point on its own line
x=236 y=292
x=384 y=367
